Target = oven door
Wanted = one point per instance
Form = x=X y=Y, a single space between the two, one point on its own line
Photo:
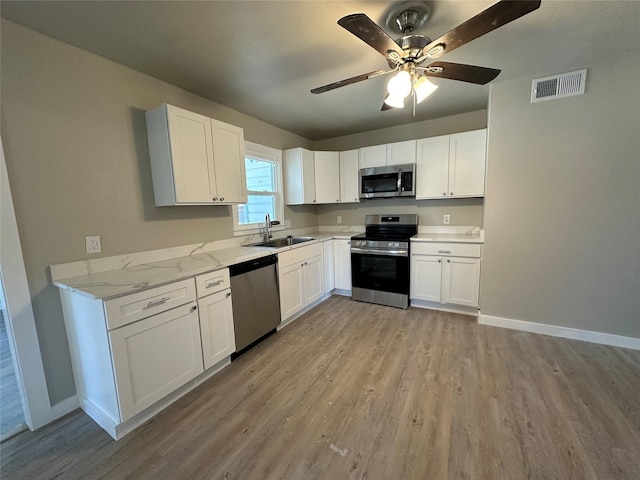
x=378 y=270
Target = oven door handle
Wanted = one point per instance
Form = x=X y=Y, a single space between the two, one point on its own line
x=384 y=253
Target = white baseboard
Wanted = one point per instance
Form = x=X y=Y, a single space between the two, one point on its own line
x=563 y=332
x=461 y=309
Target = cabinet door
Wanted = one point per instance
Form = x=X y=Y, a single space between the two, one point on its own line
x=349 y=169
x=327 y=177
x=228 y=154
x=291 y=289
x=192 y=161
x=155 y=356
x=329 y=278
x=313 y=279
x=461 y=281
x=432 y=167
x=426 y=275
x=216 y=327
x=342 y=264
x=467 y=160
x=299 y=177
x=375 y=156
x=399 y=153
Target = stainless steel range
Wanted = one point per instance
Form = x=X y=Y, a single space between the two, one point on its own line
x=380 y=260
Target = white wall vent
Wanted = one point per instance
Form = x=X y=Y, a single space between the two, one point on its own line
x=558 y=86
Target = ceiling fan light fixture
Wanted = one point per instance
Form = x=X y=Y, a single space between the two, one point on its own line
x=423 y=88
x=394 y=101
x=399 y=85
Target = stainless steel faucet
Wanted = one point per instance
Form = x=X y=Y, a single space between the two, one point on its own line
x=267 y=228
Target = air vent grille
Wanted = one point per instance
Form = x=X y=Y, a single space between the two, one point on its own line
x=558 y=86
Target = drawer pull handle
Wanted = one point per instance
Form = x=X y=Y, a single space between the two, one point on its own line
x=214 y=284
x=157 y=302
x=444 y=251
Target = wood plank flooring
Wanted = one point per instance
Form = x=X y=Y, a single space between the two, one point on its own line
x=354 y=391
x=11 y=414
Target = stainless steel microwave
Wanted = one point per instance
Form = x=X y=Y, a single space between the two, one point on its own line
x=388 y=181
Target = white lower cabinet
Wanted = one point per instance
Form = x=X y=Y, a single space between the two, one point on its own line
x=216 y=317
x=342 y=264
x=329 y=277
x=155 y=356
x=301 y=278
x=133 y=355
x=445 y=273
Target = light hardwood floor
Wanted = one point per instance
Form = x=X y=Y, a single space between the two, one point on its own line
x=353 y=390
x=11 y=414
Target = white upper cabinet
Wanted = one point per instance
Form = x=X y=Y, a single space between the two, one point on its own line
x=349 y=168
x=327 y=176
x=400 y=153
x=195 y=160
x=375 y=156
x=432 y=178
x=451 y=165
x=299 y=176
x=311 y=177
x=228 y=155
x=467 y=161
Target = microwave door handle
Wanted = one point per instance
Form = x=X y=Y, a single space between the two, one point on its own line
x=399 y=180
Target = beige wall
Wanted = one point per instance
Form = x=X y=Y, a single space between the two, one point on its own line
x=75 y=141
x=427 y=128
x=562 y=212
x=462 y=211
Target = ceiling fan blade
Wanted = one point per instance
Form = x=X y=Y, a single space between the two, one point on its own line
x=493 y=17
x=349 y=81
x=366 y=30
x=460 y=71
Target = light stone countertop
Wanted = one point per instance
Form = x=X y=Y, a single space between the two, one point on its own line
x=126 y=276
x=448 y=238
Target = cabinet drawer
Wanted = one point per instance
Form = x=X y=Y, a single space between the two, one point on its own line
x=212 y=282
x=298 y=255
x=130 y=308
x=447 y=249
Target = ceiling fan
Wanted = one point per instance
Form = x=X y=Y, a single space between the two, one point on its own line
x=407 y=54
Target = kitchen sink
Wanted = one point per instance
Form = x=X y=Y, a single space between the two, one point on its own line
x=282 y=242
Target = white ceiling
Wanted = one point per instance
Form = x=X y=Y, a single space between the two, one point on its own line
x=262 y=57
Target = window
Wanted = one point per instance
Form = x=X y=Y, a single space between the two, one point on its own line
x=263 y=167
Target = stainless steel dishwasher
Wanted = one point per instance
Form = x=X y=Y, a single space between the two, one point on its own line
x=256 y=301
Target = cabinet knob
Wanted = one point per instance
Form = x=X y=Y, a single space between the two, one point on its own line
x=305 y=263
x=228 y=294
x=448 y=261
x=337 y=200
x=450 y=193
x=444 y=193
x=314 y=201
x=439 y=260
x=222 y=199
x=194 y=308
x=215 y=199
x=302 y=265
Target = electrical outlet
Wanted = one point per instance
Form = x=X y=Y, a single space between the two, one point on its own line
x=93 y=244
x=287 y=223
x=339 y=219
x=446 y=219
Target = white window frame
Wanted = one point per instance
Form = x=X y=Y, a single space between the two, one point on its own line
x=262 y=152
